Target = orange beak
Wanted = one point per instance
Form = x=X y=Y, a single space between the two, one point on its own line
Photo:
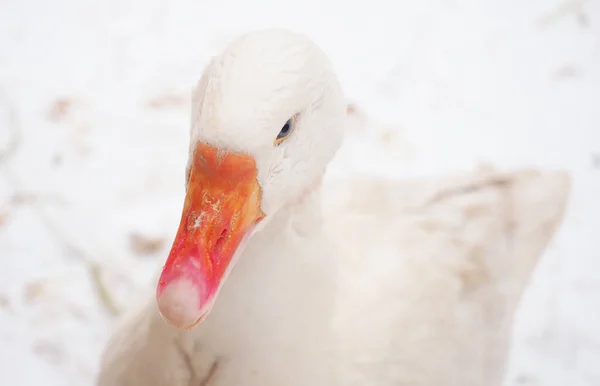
x=221 y=208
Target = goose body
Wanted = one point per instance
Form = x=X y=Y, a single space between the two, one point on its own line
x=278 y=278
x=435 y=305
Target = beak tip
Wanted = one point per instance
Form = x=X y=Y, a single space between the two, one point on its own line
x=180 y=303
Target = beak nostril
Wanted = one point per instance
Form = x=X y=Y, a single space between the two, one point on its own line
x=222 y=237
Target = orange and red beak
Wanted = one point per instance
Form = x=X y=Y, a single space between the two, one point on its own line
x=221 y=208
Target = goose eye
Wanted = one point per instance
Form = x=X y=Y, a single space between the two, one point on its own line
x=285 y=131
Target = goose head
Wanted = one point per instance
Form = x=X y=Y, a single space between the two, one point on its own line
x=267 y=117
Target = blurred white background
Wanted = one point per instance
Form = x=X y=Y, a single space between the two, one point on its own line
x=93 y=139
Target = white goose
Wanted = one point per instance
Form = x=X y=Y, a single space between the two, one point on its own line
x=371 y=283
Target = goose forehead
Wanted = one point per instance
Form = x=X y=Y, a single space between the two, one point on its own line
x=258 y=82
x=265 y=72
x=271 y=52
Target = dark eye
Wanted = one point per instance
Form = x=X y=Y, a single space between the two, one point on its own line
x=285 y=131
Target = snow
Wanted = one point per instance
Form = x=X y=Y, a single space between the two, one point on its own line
x=94 y=94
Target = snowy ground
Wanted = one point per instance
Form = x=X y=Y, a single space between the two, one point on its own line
x=93 y=137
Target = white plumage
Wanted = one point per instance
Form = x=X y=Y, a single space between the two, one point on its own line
x=361 y=282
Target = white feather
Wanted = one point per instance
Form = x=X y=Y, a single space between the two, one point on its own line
x=364 y=282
